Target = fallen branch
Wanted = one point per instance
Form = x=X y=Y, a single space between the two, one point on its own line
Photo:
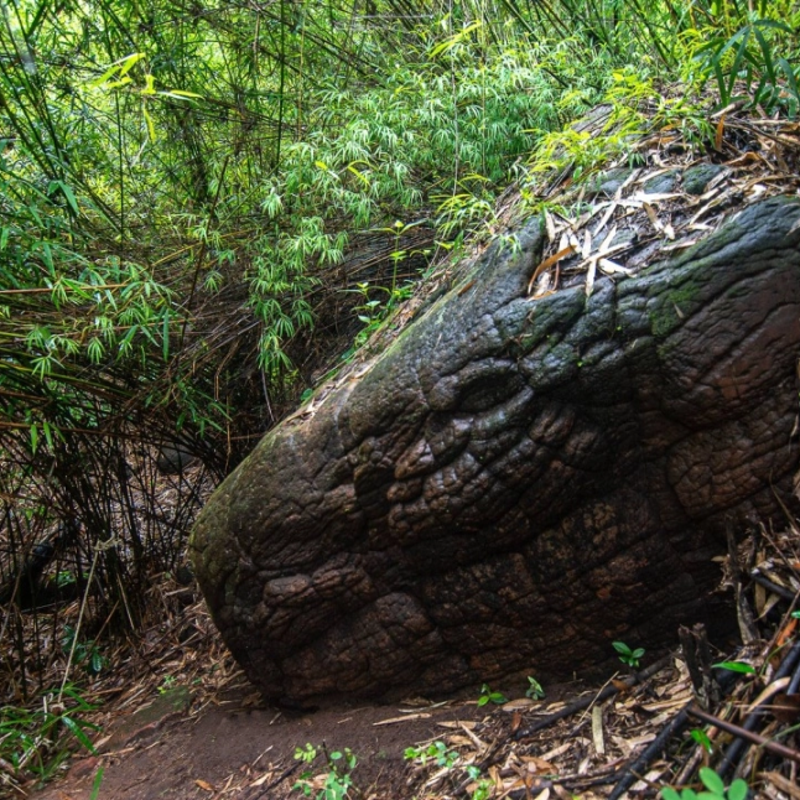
x=734 y=752
x=634 y=771
x=585 y=702
x=745 y=735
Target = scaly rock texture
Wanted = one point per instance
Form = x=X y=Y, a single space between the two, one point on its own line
x=514 y=483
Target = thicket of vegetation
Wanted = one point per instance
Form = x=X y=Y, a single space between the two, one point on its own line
x=195 y=195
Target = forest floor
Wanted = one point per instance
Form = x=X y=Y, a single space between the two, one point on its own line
x=179 y=720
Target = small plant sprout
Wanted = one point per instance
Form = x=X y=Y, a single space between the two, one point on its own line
x=701 y=737
x=37 y=740
x=305 y=754
x=479 y=788
x=435 y=750
x=488 y=696
x=715 y=789
x=86 y=653
x=627 y=656
x=534 y=690
x=335 y=784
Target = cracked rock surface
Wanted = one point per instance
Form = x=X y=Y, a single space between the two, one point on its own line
x=514 y=483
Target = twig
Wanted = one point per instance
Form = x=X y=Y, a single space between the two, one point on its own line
x=734 y=752
x=696 y=655
x=99 y=547
x=744 y=615
x=781 y=591
x=585 y=702
x=282 y=777
x=634 y=771
x=795 y=682
x=746 y=735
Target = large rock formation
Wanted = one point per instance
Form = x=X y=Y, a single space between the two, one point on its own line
x=515 y=482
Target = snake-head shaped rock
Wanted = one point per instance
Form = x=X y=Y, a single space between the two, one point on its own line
x=514 y=483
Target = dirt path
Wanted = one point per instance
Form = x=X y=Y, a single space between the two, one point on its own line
x=232 y=749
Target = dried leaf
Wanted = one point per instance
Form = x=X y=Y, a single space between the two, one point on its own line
x=720 y=132
x=516 y=721
x=406 y=718
x=787 y=632
x=783 y=784
x=263 y=779
x=549 y=262
x=768 y=691
x=535 y=764
x=520 y=703
x=549 y=226
x=598 y=738
x=612 y=268
x=590 y=273
x=556 y=751
x=653 y=217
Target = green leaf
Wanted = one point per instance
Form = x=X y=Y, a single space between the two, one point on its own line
x=119 y=68
x=736 y=666
x=701 y=737
x=151 y=129
x=738 y=790
x=179 y=95
x=712 y=781
x=98 y=779
x=449 y=43
x=78 y=733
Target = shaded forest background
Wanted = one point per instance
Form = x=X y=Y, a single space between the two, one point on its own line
x=203 y=205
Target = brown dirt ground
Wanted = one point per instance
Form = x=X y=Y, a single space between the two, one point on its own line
x=232 y=748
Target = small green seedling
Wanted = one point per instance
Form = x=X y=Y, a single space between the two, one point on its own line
x=481 y=788
x=488 y=696
x=715 y=789
x=534 y=690
x=305 y=754
x=701 y=737
x=436 y=750
x=336 y=783
x=627 y=656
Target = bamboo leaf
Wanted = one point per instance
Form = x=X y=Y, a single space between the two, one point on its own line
x=151 y=129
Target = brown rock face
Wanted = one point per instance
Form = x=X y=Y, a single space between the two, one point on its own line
x=515 y=483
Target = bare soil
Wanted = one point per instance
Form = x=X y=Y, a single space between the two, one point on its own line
x=233 y=748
